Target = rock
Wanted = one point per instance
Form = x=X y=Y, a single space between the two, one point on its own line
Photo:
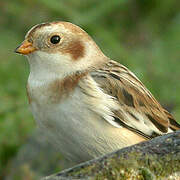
x=157 y=159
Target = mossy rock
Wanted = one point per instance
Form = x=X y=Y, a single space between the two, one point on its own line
x=157 y=159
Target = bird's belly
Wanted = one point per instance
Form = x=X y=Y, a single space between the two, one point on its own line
x=77 y=132
x=72 y=128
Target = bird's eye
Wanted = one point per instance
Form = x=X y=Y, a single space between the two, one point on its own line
x=55 y=39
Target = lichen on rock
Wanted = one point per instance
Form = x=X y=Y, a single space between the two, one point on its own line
x=157 y=159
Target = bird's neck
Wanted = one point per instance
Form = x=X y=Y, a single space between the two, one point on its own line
x=46 y=67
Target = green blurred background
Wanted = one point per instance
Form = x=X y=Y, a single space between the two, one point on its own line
x=143 y=35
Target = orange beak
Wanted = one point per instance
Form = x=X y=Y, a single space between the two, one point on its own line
x=25 y=48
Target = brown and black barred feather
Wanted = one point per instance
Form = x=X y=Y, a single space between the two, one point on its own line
x=134 y=100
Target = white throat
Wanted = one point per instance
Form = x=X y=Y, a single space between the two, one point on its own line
x=45 y=66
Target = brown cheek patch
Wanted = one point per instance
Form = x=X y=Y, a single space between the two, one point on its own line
x=63 y=88
x=75 y=49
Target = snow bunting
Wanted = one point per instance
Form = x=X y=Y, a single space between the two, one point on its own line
x=87 y=104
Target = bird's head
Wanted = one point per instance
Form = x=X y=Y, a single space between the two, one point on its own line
x=60 y=47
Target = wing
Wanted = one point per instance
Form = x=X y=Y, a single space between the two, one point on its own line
x=138 y=110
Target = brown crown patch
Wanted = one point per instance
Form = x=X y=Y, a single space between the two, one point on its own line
x=36 y=27
x=76 y=49
x=72 y=27
x=63 y=88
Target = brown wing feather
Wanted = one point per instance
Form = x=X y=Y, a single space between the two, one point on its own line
x=117 y=81
x=172 y=122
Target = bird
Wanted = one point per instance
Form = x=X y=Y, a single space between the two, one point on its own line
x=87 y=104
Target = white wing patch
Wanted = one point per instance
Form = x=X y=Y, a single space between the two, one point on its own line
x=99 y=102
